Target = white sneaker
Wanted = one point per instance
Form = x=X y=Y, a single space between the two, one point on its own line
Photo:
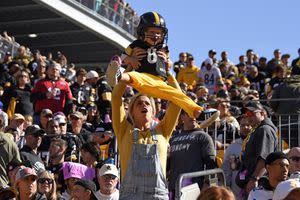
x=113 y=71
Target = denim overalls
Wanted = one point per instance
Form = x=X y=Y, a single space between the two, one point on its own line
x=144 y=177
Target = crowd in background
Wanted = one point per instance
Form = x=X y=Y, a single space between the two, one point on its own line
x=117 y=11
x=57 y=138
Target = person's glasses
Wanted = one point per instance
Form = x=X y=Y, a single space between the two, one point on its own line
x=45 y=180
x=109 y=176
x=295 y=158
x=92 y=108
x=250 y=113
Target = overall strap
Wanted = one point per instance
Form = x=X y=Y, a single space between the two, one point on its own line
x=135 y=135
x=154 y=134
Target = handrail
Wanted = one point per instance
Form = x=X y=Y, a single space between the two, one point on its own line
x=126 y=18
x=195 y=174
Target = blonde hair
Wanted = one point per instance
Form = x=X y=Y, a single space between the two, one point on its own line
x=133 y=100
x=47 y=174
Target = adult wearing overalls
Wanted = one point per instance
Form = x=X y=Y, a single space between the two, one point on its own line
x=142 y=144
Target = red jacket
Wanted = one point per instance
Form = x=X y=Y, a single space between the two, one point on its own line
x=55 y=104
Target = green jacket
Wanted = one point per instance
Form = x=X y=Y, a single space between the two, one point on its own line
x=8 y=152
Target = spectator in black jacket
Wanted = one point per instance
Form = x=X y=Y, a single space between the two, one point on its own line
x=79 y=89
x=180 y=64
x=104 y=99
x=296 y=62
x=29 y=156
x=21 y=93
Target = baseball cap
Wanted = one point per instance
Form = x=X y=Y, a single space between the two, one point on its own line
x=24 y=172
x=276 y=50
x=190 y=57
x=108 y=169
x=18 y=116
x=34 y=130
x=208 y=61
x=46 y=112
x=275 y=156
x=92 y=74
x=60 y=118
x=285 y=187
x=77 y=114
x=286 y=56
x=254 y=106
x=88 y=185
x=212 y=51
x=228 y=81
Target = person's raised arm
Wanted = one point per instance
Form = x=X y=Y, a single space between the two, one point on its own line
x=118 y=112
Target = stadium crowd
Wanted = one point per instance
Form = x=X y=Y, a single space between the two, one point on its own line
x=117 y=11
x=57 y=140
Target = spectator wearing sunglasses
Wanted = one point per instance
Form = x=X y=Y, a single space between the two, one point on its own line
x=26 y=185
x=46 y=185
x=257 y=146
x=294 y=158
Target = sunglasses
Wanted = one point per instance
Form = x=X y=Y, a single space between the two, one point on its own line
x=250 y=113
x=44 y=180
x=92 y=108
x=295 y=158
x=109 y=176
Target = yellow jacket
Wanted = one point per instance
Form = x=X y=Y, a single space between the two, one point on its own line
x=189 y=76
x=123 y=128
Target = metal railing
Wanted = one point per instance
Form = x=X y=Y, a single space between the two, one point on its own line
x=214 y=180
x=288 y=128
x=116 y=12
